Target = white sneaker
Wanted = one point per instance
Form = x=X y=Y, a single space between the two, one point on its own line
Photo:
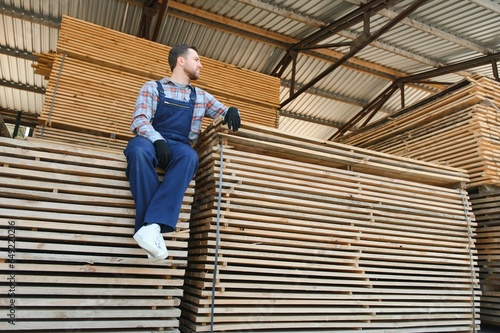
x=147 y=238
x=160 y=242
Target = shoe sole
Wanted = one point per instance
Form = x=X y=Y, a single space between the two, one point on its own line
x=158 y=258
x=150 y=249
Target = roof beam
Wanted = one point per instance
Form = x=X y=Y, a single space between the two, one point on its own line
x=434 y=31
x=324 y=93
x=21 y=86
x=401 y=52
x=18 y=53
x=161 y=14
x=44 y=20
x=490 y=5
x=358 y=45
x=10 y=116
x=208 y=19
x=451 y=68
x=310 y=119
x=284 y=13
x=348 y=20
x=372 y=108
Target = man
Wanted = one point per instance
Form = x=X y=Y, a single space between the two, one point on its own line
x=167 y=121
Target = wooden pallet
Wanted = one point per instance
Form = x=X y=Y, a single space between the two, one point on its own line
x=76 y=266
x=311 y=236
x=96 y=74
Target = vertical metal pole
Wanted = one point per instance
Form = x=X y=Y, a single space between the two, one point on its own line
x=17 y=124
x=217 y=237
x=471 y=261
x=54 y=95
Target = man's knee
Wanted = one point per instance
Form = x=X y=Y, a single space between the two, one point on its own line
x=139 y=148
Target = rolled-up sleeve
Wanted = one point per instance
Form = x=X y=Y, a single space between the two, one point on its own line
x=213 y=108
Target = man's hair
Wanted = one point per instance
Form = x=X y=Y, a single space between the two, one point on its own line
x=178 y=51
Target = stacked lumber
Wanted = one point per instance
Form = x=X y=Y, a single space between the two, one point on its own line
x=67 y=218
x=44 y=64
x=486 y=208
x=461 y=129
x=293 y=234
x=97 y=72
x=68 y=137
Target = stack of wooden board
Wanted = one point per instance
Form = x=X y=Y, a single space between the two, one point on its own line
x=461 y=129
x=486 y=208
x=292 y=234
x=66 y=226
x=97 y=72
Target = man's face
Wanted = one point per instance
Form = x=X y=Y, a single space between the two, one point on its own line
x=192 y=64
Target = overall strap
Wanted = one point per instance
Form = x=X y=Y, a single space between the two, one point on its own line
x=192 y=96
x=161 y=93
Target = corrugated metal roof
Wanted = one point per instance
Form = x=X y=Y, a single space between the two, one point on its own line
x=437 y=34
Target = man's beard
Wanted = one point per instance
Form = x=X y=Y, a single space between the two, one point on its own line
x=192 y=74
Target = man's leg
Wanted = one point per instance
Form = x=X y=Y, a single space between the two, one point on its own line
x=165 y=206
x=141 y=173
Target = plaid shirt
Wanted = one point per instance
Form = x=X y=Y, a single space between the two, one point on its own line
x=145 y=108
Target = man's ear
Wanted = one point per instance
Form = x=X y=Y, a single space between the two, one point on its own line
x=180 y=61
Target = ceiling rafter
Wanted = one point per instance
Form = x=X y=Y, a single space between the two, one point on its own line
x=371 y=109
x=433 y=30
x=490 y=5
x=284 y=13
x=310 y=119
x=365 y=39
x=29 y=17
x=21 y=86
x=346 y=33
x=401 y=52
x=198 y=16
x=21 y=54
x=350 y=19
x=324 y=93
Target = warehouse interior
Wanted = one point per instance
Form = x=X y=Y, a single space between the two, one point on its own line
x=340 y=63
x=378 y=116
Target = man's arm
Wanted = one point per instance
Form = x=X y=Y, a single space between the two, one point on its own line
x=145 y=107
x=216 y=109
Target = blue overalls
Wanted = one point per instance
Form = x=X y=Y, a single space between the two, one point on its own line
x=155 y=201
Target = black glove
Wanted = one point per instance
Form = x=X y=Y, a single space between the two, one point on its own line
x=163 y=153
x=232 y=119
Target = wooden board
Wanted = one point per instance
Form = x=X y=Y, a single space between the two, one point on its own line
x=307 y=238
x=69 y=215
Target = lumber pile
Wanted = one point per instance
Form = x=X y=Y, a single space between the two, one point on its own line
x=486 y=208
x=66 y=226
x=96 y=73
x=461 y=129
x=294 y=234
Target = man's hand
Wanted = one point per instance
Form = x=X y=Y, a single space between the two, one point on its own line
x=163 y=153
x=232 y=119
